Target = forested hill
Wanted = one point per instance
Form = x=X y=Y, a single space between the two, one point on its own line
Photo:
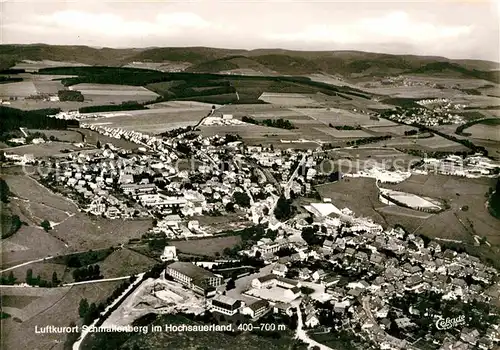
x=266 y=61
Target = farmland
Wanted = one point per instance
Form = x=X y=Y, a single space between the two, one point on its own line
x=208 y=246
x=113 y=94
x=42 y=150
x=19 y=89
x=488 y=130
x=153 y=121
x=60 y=135
x=341 y=117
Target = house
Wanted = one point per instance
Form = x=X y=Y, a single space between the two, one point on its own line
x=283 y=308
x=292 y=293
x=256 y=309
x=264 y=281
x=280 y=270
x=311 y=320
x=194 y=277
x=328 y=245
x=193 y=225
x=169 y=253
x=304 y=273
x=225 y=305
x=318 y=274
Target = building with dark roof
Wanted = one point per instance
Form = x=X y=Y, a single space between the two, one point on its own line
x=256 y=309
x=200 y=280
x=225 y=305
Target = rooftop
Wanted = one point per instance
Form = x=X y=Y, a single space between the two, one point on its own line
x=191 y=270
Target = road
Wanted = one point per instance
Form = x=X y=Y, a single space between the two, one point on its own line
x=96 y=281
x=27 y=263
x=78 y=343
x=302 y=334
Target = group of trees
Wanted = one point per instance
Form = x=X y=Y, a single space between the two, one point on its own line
x=242 y=199
x=284 y=209
x=70 y=95
x=38 y=281
x=124 y=106
x=368 y=140
x=9 y=280
x=45 y=224
x=273 y=123
x=91 y=272
x=89 y=312
x=15 y=225
x=345 y=127
x=310 y=235
x=4 y=191
x=13 y=119
x=494 y=202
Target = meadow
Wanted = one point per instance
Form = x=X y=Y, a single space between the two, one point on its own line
x=206 y=246
x=114 y=94
x=46 y=149
x=287 y=99
x=341 y=117
x=154 y=120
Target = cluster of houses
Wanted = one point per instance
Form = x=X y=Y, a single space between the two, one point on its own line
x=470 y=166
x=426 y=117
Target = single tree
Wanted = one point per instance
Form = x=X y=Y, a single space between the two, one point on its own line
x=83 y=308
x=55 y=280
x=46 y=225
x=29 y=276
x=11 y=279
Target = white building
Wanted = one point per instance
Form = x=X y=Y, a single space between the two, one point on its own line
x=169 y=253
x=225 y=305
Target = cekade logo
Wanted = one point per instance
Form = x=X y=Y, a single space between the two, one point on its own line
x=448 y=323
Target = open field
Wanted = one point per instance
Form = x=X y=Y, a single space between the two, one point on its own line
x=61 y=135
x=45 y=269
x=457 y=192
x=344 y=133
x=92 y=137
x=287 y=99
x=114 y=94
x=33 y=66
x=401 y=211
x=125 y=262
x=208 y=246
x=415 y=92
x=154 y=121
x=398 y=130
x=488 y=132
x=54 y=306
x=341 y=117
x=46 y=149
x=358 y=194
x=19 y=89
x=165 y=66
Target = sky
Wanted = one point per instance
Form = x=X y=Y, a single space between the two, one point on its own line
x=450 y=28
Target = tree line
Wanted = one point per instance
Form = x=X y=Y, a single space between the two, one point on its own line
x=13 y=119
